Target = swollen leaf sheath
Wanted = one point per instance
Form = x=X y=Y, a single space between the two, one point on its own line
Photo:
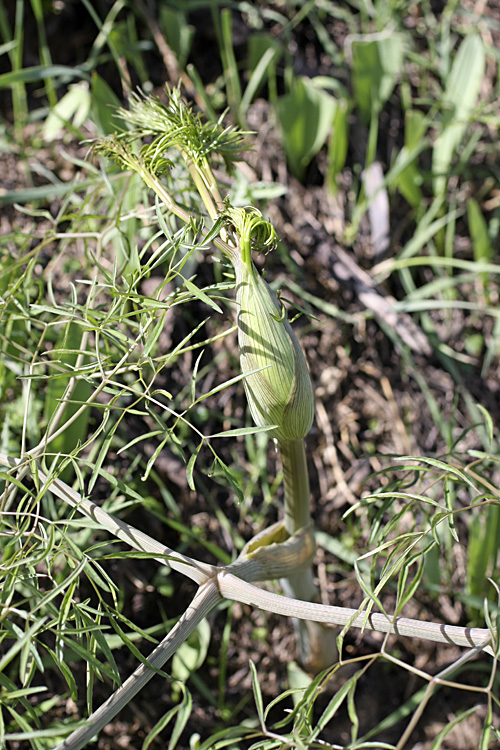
x=280 y=394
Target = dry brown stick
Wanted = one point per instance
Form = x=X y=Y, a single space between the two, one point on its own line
x=379 y=302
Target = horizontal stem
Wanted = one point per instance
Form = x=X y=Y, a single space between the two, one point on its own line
x=235 y=589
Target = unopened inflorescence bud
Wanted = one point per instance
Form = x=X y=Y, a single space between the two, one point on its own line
x=277 y=382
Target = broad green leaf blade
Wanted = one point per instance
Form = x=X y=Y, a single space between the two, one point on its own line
x=258 y=45
x=257 y=694
x=43 y=192
x=230 y=477
x=462 y=716
x=306 y=118
x=190 y=467
x=239 y=431
x=478 y=228
x=183 y=715
x=376 y=65
x=264 y=52
x=178 y=33
x=459 y=99
x=231 y=73
x=65 y=356
x=105 y=104
x=484 y=534
x=338 y=144
x=408 y=181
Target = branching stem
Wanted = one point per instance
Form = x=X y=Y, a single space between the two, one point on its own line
x=233 y=580
x=218 y=583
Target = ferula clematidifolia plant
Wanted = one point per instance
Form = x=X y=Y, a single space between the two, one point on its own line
x=159 y=137
x=276 y=377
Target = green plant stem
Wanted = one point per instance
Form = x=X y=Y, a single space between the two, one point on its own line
x=206 y=186
x=296 y=484
x=153 y=182
x=316 y=642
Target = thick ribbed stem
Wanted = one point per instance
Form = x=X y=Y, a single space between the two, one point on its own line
x=296 y=485
x=317 y=644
